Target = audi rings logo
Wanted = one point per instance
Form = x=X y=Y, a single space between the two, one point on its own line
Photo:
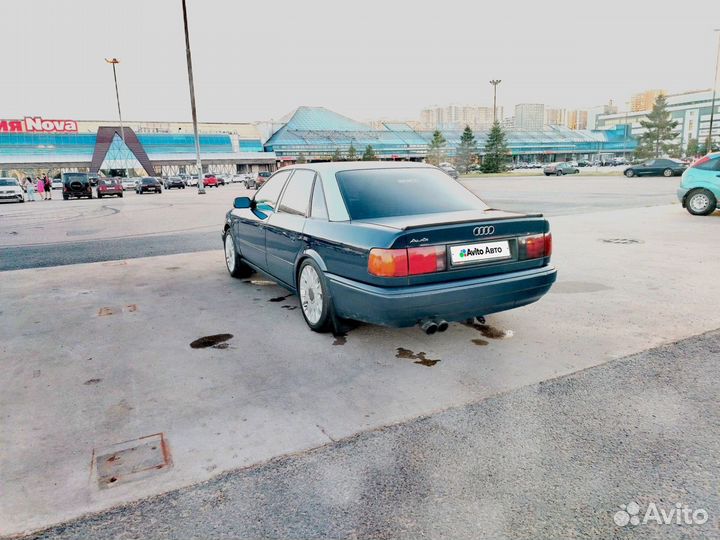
x=484 y=231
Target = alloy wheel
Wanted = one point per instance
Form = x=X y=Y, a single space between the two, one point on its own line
x=311 y=294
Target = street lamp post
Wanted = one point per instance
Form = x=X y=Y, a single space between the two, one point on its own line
x=201 y=187
x=114 y=62
x=495 y=83
x=712 y=103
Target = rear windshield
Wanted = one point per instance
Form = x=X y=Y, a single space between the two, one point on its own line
x=378 y=193
x=8 y=182
x=148 y=180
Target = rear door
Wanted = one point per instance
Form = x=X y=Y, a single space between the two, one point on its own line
x=284 y=232
x=251 y=222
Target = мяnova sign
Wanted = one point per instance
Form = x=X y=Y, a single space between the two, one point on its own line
x=36 y=124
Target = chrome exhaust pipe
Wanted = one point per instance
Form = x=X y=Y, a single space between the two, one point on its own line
x=429 y=327
x=442 y=326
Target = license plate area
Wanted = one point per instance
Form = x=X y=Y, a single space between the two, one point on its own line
x=480 y=252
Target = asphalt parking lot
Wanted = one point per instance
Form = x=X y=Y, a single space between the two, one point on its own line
x=102 y=299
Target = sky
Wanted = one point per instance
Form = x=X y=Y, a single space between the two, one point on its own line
x=368 y=60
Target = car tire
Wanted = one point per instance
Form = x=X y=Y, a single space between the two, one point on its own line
x=667 y=173
x=233 y=262
x=311 y=283
x=99 y=196
x=120 y=195
x=629 y=173
x=21 y=199
x=559 y=173
x=700 y=202
x=65 y=197
x=547 y=174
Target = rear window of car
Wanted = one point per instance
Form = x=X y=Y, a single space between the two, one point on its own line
x=8 y=182
x=378 y=193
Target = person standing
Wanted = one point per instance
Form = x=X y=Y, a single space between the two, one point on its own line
x=40 y=185
x=48 y=186
x=30 y=188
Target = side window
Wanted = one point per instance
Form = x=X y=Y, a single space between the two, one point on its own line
x=649 y=163
x=296 y=198
x=710 y=165
x=267 y=196
x=319 y=207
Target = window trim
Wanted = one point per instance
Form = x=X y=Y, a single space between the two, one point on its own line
x=312 y=200
x=287 y=183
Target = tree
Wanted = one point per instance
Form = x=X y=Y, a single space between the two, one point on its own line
x=301 y=158
x=466 y=151
x=693 y=148
x=496 y=150
x=352 y=153
x=369 y=154
x=658 y=137
x=337 y=155
x=436 y=150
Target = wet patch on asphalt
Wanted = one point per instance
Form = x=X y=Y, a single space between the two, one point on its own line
x=480 y=342
x=92 y=381
x=419 y=358
x=575 y=287
x=289 y=308
x=210 y=341
x=280 y=298
x=340 y=339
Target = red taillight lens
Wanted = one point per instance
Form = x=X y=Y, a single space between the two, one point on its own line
x=424 y=260
x=388 y=262
x=535 y=246
x=700 y=161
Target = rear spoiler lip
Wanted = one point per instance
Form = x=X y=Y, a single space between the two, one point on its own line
x=440 y=223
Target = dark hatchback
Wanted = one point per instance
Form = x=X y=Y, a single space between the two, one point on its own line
x=147 y=184
x=391 y=244
x=76 y=185
x=657 y=167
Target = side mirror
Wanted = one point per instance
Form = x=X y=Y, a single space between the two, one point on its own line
x=242 y=202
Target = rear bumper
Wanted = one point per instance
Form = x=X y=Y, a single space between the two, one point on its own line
x=453 y=301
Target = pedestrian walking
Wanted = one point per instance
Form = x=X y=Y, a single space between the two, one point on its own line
x=40 y=186
x=48 y=186
x=30 y=189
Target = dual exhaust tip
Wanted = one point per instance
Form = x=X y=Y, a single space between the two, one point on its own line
x=430 y=327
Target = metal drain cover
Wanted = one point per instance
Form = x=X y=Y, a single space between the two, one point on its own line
x=621 y=241
x=131 y=460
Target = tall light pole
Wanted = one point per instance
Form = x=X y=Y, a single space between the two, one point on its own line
x=495 y=83
x=712 y=103
x=114 y=62
x=201 y=187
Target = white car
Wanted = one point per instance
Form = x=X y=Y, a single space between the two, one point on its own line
x=192 y=181
x=10 y=190
x=128 y=183
x=237 y=178
x=57 y=183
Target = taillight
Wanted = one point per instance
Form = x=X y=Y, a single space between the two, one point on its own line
x=535 y=246
x=406 y=262
x=424 y=260
x=700 y=161
x=388 y=262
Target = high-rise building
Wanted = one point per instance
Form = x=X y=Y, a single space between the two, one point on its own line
x=555 y=117
x=455 y=117
x=529 y=116
x=577 y=119
x=644 y=101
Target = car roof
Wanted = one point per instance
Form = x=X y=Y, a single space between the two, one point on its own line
x=330 y=168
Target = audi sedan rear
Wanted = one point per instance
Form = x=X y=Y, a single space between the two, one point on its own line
x=391 y=244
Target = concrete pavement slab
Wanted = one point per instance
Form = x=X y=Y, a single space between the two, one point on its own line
x=279 y=388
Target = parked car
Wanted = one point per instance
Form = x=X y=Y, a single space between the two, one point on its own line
x=109 y=186
x=192 y=180
x=261 y=178
x=57 y=183
x=449 y=170
x=128 y=183
x=76 y=184
x=174 y=182
x=699 y=189
x=237 y=178
x=559 y=169
x=147 y=184
x=210 y=180
x=583 y=163
x=221 y=179
x=395 y=244
x=656 y=167
x=10 y=190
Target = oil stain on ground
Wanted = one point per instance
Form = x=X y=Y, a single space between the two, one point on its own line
x=210 y=341
x=419 y=357
x=340 y=339
x=289 y=308
x=489 y=331
x=280 y=298
x=480 y=342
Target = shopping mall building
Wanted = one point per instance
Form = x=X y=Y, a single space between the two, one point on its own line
x=34 y=144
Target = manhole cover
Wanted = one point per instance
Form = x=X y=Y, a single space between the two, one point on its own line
x=132 y=460
x=622 y=241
